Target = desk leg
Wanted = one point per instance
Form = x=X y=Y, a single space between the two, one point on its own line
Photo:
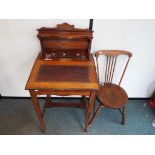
x=89 y=109
x=37 y=109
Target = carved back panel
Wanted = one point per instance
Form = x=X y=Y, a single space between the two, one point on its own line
x=65 y=41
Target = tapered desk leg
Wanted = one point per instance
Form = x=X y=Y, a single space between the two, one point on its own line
x=37 y=109
x=89 y=109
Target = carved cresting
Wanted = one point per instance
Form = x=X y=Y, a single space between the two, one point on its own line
x=65 y=26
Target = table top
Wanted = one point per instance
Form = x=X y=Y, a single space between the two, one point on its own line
x=62 y=75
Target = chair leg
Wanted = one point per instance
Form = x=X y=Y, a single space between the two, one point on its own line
x=94 y=108
x=95 y=114
x=123 y=115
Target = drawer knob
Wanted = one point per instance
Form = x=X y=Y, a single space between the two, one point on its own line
x=53 y=54
x=78 y=54
x=64 y=54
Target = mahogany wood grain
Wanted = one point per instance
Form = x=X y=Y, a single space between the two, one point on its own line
x=65 y=41
x=37 y=109
x=89 y=110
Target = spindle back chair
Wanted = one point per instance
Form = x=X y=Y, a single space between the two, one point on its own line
x=111 y=95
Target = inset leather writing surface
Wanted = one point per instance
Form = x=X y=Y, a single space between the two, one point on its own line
x=62 y=75
x=59 y=73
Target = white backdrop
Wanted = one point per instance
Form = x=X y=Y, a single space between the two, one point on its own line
x=19 y=47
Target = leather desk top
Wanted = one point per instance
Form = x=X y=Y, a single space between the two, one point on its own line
x=62 y=75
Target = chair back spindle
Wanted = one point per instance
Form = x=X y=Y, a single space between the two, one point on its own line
x=110 y=65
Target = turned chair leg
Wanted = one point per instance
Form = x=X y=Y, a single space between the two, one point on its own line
x=94 y=108
x=123 y=115
x=95 y=114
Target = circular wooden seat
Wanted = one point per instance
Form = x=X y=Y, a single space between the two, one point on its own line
x=112 y=96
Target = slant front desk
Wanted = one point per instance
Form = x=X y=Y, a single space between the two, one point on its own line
x=63 y=76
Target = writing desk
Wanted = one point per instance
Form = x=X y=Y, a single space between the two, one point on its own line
x=61 y=77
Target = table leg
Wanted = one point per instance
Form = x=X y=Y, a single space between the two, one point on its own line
x=37 y=109
x=48 y=99
x=84 y=100
x=89 y=109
